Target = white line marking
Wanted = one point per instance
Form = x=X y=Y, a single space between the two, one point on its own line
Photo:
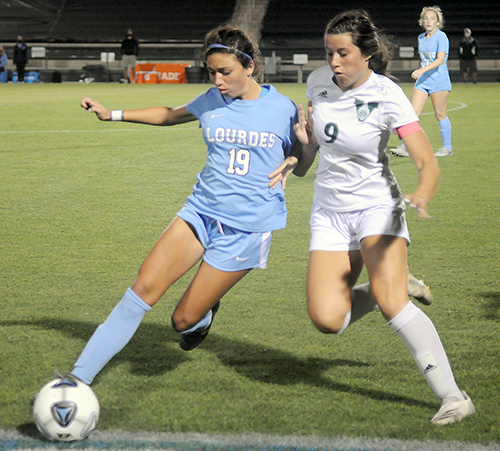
x=121 y=440
x=460 y=106
x=12 y=132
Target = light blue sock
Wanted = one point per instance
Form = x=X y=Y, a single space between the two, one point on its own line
x=445 y=129
x=111 y=336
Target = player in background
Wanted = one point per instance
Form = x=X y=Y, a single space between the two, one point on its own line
x=227 y=221
x=358 y=215
x=432 y=78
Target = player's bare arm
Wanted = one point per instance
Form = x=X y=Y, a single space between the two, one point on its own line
x=303 y=152
x=163 y=116
x=421 y=152
x=416 y=74
x=304 y=130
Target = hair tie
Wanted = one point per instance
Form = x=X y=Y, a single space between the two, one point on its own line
x=221 y=46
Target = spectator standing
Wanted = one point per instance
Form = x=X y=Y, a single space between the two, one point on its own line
x=467 y=53
x=20 y=58
x=3 y=65
x=130 y=50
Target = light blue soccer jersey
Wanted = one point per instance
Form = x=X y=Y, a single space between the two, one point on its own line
x=428 y=48
x=246 y=140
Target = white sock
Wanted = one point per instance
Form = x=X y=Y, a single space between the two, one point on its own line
x=422 y=340
x=202 y=324
x=362 y=302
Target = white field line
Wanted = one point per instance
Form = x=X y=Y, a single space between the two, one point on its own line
x=460 y=106
x=22 y=132
x=128 y=441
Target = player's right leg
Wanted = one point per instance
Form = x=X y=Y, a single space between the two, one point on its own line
x=330 y=280
x=173 y=255
x=418 y=100
x=335 y=264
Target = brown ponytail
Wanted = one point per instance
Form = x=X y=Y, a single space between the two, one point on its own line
x=365 y=35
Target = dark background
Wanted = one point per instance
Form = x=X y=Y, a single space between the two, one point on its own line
x=288 y=23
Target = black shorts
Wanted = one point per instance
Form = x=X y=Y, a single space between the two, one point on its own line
x=468 y=66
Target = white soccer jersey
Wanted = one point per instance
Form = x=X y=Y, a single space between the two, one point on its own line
x=353 y=129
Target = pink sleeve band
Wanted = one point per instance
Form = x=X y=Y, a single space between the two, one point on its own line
x=408 y=129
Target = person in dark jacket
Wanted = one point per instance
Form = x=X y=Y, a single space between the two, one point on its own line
x=130 y=50
x=467 y=53
x=20 y=58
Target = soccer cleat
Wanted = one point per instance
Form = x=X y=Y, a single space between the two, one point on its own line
x=419 y=290
x=451 y=413
x=400 y=151
x=192 y=340
x=72 y=378
x=443 y=152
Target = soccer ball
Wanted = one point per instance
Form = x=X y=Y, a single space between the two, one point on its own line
x=66 y=410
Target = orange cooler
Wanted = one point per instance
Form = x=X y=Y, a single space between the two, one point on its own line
x=146 y=73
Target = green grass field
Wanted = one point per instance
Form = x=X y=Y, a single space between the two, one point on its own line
x=81 y=204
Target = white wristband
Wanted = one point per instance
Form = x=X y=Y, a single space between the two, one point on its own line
x=116 y=115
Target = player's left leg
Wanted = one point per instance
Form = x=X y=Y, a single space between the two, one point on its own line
x=230 y=254
x=193 y=315
x=385 y=260
x=440 y=102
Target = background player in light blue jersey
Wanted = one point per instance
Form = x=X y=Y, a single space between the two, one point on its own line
x=228 y=220
x=433 y=78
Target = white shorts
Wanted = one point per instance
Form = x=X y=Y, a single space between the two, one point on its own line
x=343 y=231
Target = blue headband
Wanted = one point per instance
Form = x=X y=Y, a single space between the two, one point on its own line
x=221 y=46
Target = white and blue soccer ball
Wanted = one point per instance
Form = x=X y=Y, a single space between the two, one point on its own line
x=66 y=410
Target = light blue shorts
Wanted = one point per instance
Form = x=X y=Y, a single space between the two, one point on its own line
x=431 y=85
x=343 y=231
x=227 y=248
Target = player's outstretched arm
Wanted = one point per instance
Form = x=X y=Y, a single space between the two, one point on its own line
x=151 y=116
x=95 y=107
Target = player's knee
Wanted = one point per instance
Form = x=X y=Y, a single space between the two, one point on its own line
x=329 y=326
x=147 y=292
x=182 y=321
x=441 y=116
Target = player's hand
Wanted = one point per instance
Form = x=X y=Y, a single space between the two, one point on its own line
x=304 y=128
x=282 y=172
x=416 y=74
x=417 y=203
x=95 y=107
